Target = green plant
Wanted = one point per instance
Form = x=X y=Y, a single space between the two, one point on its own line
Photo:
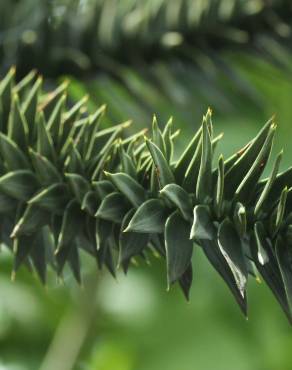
x=80 y=35
x=69 y=184
x=150 y=52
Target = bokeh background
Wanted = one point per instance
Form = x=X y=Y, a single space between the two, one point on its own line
x=169 y=57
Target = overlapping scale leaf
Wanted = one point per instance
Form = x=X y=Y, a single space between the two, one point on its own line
x=71 y=184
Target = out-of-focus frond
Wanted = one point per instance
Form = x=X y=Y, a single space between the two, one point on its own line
x=81 y=35
x=151 y=52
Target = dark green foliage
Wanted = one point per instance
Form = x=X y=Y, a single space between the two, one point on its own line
x=67 y=183
x=76 y=36
x=152 y=52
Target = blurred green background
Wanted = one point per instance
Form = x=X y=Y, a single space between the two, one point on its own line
x=169 y=57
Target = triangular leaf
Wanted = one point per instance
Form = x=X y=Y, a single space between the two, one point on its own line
x=240 y=168
x=179 y=198
x=164 y=172
x=32 y=220
x=262 y=243
x=20 y=184
x=202 y=228
x=215 y=257
x=113 y=208
x=284 y=258
x=46 y=172
x=90 y=202
x=129 y=187
x=185 y=281
x=12 y=155
x=179 y=247
x=268 y=185
x=204 y=183
x=17 y=125
x=103 y=188
x=45 y=144
x=272 y=276
x=248 y=184
x=54 y=198
x=185 y=159
x=231 y=248
x=150 y=217
x=78 y=185
x=131 y=244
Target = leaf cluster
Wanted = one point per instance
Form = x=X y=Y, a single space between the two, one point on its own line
x=69 y=184
x=76 y=36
